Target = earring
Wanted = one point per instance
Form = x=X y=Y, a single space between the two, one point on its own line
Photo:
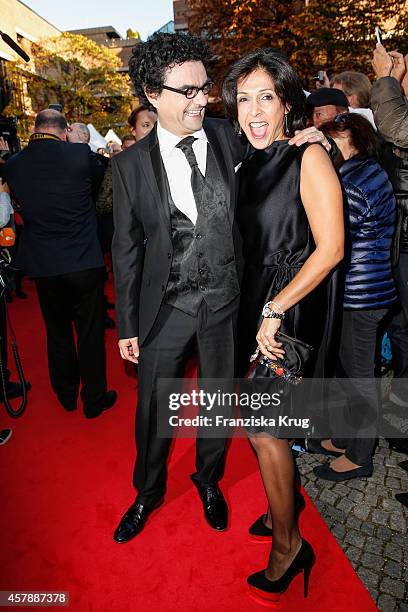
x=238 y=129
x=286 y=126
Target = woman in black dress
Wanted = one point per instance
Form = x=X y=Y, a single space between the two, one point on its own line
x=291 y=218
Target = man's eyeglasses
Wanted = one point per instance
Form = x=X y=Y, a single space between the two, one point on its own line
x=191 y=92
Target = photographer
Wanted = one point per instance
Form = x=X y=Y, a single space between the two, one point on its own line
x=5 y=212
x=52 y=182
x=16 y=279
x=4 y=149
x=390 y=108
x=13 y=389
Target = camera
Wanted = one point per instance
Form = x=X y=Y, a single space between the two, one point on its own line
x=8 y=131
x=319 y=77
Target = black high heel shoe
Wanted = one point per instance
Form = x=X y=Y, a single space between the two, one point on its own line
x=259 y=532
x=268 y=589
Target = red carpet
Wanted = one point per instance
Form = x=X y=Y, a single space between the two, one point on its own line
x=66 y=481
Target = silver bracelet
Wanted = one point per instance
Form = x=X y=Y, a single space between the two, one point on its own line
x=278 y=305
x=269 y=313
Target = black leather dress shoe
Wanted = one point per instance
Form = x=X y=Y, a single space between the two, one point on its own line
x=402 y=498
x=109 y=399
x=215 y=507
x=69 y=404
x=133 y=521
x=403 y=465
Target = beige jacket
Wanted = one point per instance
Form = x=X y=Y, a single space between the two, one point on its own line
x=390 y=109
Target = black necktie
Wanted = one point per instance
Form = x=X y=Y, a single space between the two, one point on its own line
x=197 y=179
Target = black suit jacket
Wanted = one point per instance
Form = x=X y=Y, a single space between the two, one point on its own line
x=142 y=248
x=52 y=180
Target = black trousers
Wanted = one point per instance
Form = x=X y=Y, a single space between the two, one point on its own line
x=67 y=300
x=164 y=354
x=398 y=330
x=361 y=334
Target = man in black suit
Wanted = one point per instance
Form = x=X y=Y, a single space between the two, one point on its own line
x=175 y=265
x=52 y=180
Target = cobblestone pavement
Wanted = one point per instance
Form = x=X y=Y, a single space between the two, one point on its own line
x=368 y=523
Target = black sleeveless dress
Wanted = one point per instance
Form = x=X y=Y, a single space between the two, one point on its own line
x=277 y=240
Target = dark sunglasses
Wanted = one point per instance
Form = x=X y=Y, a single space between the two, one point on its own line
x=191 y=92
x=342 y=118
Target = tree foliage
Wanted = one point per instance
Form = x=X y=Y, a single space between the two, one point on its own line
x=76 y=72
x=315 y=34
x=132 y=34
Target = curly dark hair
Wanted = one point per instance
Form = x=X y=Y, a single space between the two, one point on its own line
x=287 y=84
x=151 y=59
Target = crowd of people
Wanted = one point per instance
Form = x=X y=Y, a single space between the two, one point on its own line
x=287 y=220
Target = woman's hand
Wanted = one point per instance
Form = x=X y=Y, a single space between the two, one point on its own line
x=310 y=134
x=4 y=188
x=265 y=337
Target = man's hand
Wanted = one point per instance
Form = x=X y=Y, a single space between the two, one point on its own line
x=129 y=349
x=398 y=66
x=404 y=82
x=3 y=145
x=326 y=81
x=382 y=62
x=310 y=134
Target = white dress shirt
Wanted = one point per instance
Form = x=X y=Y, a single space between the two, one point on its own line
x=367 y=113
x=178 y=169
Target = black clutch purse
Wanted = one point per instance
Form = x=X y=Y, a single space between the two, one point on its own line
x=290 y=368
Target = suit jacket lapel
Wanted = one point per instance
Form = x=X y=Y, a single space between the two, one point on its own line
x=155 y=178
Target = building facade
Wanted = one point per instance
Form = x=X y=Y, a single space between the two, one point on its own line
x=180 y=12
x=25 y=27
x=108 y=36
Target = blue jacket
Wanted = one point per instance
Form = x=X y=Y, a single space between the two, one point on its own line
x=370 y=223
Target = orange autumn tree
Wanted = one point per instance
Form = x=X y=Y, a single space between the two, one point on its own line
x=315 y=34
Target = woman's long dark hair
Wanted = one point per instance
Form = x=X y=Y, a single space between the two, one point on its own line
x=287 y=86
x=362 y=133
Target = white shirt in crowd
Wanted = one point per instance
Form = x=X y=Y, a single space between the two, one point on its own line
x=366 y=112
x=178 y=169
x=6 y=209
